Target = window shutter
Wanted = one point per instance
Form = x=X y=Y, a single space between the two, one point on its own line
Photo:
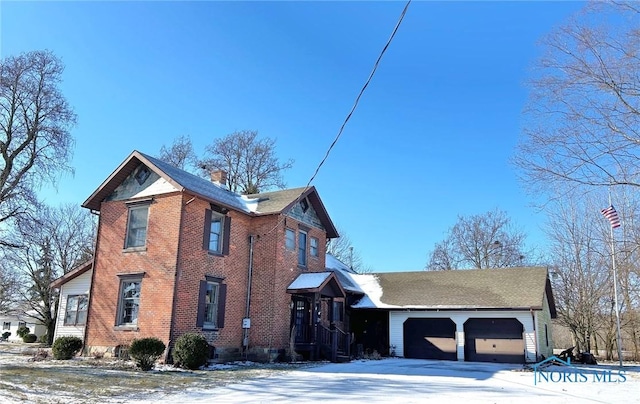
x=207 y=229
x=201 y=303
x=222 y=297
x=226 y=235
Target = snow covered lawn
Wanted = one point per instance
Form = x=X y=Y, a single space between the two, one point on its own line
x=420 y=381
x=383 y=381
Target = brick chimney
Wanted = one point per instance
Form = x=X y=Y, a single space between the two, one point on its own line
x=219 y=177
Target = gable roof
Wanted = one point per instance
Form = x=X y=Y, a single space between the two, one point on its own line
x=180 y=179
x=324 y=283
x=74 y=273
x=258 y=204
x=281 y=201
x=507 y=288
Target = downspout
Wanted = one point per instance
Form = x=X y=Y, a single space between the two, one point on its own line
x=85 y=348
x=246 y=322
x=535 y=334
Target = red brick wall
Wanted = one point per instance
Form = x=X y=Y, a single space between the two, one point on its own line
x=273 y=270
x=158 y=263
x=196 y=262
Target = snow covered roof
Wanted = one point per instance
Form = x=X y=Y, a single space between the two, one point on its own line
x=183 y=181
x=344 y=273
x=324 y=283
x=309 y=281
x=511 y=288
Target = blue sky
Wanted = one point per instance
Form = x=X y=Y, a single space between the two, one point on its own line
x=430 y=140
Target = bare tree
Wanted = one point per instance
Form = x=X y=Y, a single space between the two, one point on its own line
x=579 y=272
x=56 y=242
x=342 y=248
x=583 y=118
x=180 y=154
x=488 y=240
x=35 y=120
x=9 y=288
x=251 y=163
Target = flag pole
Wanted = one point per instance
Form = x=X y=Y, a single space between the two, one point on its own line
x=615 y=291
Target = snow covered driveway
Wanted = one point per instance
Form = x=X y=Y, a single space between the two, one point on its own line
x=419 y=381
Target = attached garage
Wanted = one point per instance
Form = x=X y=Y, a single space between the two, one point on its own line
x=494 y=340
x=496 y=315
x=430 y=338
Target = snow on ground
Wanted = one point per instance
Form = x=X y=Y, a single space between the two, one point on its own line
x=383 y=381
x=419 y=381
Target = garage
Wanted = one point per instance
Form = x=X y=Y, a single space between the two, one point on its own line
x=494 y=340
x=430 y=338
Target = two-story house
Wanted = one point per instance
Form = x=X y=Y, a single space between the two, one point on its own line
x=176 y=253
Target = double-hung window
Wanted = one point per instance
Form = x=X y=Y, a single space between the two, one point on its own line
x=313 y=247
x=302 y=248
x=217 y=228
x=211 y=303
x=6 y=325
x=137 y=226
x=290 y=239
x=76 y=310
x=129 y=301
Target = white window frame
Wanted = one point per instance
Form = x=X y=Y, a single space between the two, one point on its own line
x=6 y=325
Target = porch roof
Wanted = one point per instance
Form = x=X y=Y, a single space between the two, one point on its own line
x=325 y=283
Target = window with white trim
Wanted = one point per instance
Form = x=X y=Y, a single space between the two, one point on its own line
x=6 y=325
x=76 y=310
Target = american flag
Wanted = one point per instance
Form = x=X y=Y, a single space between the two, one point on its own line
x=611 y=215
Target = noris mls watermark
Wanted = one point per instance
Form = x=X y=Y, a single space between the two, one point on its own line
x=572 y=374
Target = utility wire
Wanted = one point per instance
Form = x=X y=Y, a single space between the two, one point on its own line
x=364 y=87
x=353 y=108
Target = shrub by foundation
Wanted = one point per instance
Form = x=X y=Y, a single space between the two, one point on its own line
x=146 y=351
x=191 y=351
x=66 y=347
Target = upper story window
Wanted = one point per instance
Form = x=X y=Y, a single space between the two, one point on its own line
x=137 y=226
x=313 y=247
x=290 y=239
x=302 y=248
x=129 y=301
x=217 y=228
x=6 y=325
x=76 y=311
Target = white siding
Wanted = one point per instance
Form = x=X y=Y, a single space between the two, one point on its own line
x=77 y=286
x=34 y=328
x=397 y=319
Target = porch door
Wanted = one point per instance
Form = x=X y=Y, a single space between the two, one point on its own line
x=301 y=317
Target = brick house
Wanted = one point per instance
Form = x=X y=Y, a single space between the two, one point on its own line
x=176 y=253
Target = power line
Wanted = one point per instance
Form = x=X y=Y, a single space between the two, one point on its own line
x=353 y=108
x=364 y=87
